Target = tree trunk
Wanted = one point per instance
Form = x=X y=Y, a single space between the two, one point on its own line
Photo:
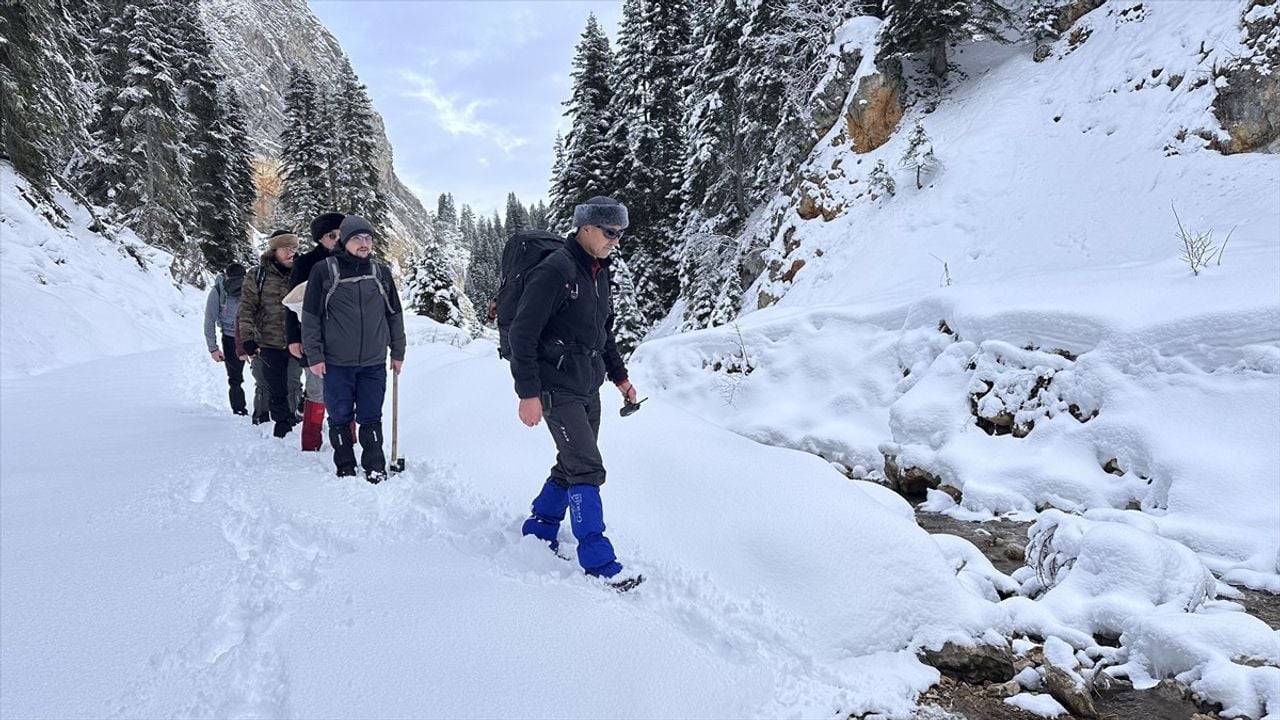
x=938 y=59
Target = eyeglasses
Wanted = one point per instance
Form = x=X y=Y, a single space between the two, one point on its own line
x=365 y=238
x=611 y=233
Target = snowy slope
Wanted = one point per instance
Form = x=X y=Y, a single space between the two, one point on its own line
x=161 y=557
x=1150 y=397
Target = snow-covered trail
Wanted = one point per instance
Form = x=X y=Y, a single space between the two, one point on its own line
x=164 y=558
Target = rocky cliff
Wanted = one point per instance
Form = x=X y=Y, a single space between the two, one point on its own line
x=255 y=44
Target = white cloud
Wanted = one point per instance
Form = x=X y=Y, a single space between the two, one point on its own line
x=456 y=118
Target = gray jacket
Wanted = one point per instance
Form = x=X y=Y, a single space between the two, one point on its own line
x=356 y=323
x=220 y=313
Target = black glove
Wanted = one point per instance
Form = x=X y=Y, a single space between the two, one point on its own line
x=251 y=347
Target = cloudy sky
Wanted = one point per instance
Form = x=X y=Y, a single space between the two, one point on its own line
x=471 y=91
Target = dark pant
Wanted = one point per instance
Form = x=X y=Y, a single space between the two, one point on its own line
x=574 y=422
x=354 y=393
x=235 y=375
x=275 y=367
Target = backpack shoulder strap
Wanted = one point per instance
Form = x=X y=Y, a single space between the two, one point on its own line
x=332 y=264
x=260 y=278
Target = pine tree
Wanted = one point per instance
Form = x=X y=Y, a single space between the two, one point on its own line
x=140 y=164
x=588 y=168
x=559 y=214
x=539 y=216
x=431 y=288
x=517 y=215
x=716 y=166
x=919 y=155
x=222 y=186
x=629 y=325
x=486 y=252
x=657 y=154
x=881 y=181
x=39 y=117
x=307 y=185
x=926 y=26
x=355 y=171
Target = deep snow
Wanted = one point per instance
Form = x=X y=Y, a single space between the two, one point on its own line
x=159 y=556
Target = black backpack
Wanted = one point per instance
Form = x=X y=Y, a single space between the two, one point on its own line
x=522 y=253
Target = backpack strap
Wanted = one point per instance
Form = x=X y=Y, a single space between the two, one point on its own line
x=377 y=280
x=260 y=278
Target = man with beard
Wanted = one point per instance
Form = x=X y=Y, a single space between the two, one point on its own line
x=262 y=325
x=351 y=317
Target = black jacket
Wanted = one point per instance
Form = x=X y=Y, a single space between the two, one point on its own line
x=302 y=265
x=562 y=335
x=360 y=323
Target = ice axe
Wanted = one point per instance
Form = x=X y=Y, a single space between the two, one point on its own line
x=397 y=463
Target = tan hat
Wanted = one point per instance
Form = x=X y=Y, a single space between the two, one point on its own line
x=281 y=241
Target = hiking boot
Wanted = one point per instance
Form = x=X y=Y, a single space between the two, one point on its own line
x=240 y=412
x=260 y=419
x=625 y=584
x=282 y=428
x=374 y=476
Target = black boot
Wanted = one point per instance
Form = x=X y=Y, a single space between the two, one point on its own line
x=371 y=457
x=282 y=428
x=344 y=451
x=260 y=419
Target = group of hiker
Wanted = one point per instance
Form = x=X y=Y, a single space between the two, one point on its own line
x=558 y=338
x=350 y=317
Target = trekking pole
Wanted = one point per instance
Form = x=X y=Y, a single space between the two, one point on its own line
x=397 y=463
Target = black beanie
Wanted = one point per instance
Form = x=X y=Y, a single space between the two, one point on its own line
x=600 y=210
x=325 y=223
x=278 y=233
x=235 y=269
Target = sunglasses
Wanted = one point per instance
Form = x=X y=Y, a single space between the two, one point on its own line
x=611 y=233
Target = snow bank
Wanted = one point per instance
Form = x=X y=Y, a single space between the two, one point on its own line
x=70 y=295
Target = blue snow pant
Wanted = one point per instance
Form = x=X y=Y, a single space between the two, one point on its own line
x=574 y=422
x=354 y=393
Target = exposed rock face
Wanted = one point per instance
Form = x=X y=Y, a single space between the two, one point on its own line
x=829 y=99
x=255 y=44
x=877 y=107
x=1249 y=106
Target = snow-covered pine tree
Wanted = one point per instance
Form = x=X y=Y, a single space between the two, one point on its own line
x=306 y=190
x=104 y=172
x=655 y=127
x=880 y=181
x=139 y=164
x=539 y=216
x=558 y=215
x=431 y=290
x=629 y=325
x=517 y=215
x=356 y=177
x=225 y=188
x=40 y=118
x=926 y=26
x=222 y=187
x=919 y=155
x=587 y=166
x=716 y=165
x=486 y=254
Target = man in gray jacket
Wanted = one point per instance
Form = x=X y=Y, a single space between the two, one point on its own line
x=220 y=314
x=351 y=316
